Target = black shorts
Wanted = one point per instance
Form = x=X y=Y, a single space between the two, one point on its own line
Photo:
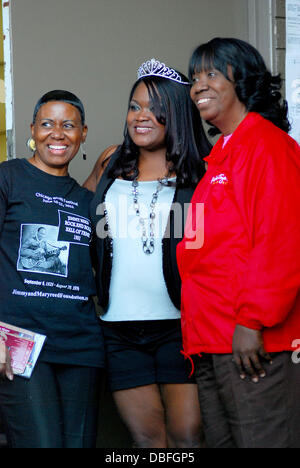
x=145 y=352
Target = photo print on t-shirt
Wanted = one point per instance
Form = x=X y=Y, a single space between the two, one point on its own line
x=41 y=252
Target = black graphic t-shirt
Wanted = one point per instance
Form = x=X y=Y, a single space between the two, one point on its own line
x=47 y=282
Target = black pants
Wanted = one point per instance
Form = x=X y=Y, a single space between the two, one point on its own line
x=56 y=408
x=241 y=414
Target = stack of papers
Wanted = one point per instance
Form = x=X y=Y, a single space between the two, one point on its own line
x=24 y=347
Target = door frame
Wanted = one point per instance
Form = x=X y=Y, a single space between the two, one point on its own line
x=261 y=21
x=8 y=80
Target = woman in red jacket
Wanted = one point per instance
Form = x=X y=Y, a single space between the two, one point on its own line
x=239 y=260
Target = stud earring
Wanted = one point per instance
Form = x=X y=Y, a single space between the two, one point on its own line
x=31 y=144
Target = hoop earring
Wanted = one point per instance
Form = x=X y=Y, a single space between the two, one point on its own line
x=31 y=144
x=83 y=149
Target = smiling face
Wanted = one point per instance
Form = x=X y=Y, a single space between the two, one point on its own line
x=216 y=100
x=58 y=133
x=143 y=127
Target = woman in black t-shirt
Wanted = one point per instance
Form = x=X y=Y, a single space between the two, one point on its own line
x=47 y=285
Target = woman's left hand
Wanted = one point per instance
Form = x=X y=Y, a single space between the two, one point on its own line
x=248 y=349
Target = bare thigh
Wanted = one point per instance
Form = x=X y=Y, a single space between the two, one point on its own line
x=162 y=417
x=183 y=416
x=142 y=410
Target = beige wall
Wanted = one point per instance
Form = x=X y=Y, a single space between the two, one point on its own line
x=93 y=48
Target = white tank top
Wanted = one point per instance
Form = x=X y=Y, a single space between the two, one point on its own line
x=137 y=288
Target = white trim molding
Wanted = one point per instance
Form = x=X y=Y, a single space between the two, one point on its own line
x=8 y=81
x=261 y=16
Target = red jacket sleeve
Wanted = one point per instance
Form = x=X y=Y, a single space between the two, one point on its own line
x=266 y=183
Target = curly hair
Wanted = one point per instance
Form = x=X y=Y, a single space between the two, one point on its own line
x=255 y=86
x=185 y=139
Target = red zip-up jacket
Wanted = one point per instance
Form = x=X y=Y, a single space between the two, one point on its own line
x=247 y=271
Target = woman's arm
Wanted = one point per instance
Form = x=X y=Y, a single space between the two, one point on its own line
x=267 y=193
x=5 y=361
x=93 y=179
x=3 y=197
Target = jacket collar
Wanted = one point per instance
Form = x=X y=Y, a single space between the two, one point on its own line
x=218 y=153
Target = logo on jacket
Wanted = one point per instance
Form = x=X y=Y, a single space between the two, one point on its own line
x=219 y=179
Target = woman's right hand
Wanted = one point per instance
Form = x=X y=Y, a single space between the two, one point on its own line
x=5 y=362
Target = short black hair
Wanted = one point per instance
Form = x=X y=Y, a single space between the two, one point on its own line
x=186 y=142
x=255 y=86
x=60 y=95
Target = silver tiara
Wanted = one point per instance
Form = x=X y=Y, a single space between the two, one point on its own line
x=154 y=67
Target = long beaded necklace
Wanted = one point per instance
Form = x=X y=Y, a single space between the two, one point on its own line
x=147 y=242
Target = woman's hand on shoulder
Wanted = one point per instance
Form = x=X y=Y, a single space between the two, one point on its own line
x=93 y=179
x=5 y=362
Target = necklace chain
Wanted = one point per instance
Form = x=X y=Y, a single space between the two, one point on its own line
x=147 y=242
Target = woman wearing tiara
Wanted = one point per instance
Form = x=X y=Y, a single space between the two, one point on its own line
x=142 y=190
